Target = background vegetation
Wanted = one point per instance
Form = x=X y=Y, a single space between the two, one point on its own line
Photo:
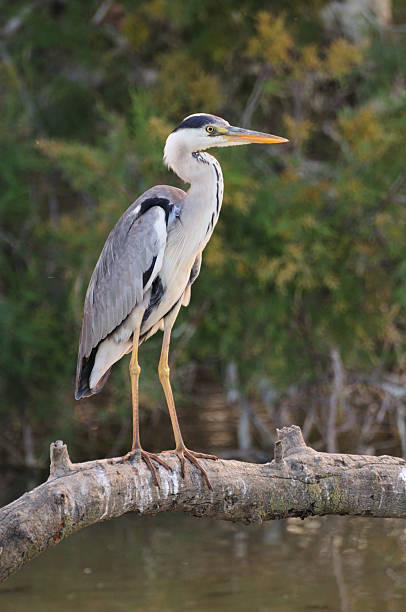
x=299 y=314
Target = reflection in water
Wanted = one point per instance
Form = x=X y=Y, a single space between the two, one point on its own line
x=336 y=542
x=177 y=563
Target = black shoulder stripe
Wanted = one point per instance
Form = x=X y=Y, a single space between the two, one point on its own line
x=165 y=204
x=157 y=292
x=147 y=274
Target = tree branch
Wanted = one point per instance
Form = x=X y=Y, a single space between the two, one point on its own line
x=298 y=482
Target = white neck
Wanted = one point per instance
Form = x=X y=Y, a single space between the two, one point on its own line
x=188 y=165
x=203 y=202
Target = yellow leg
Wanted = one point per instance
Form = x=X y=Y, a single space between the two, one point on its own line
x=136 y=448
x=164 y=371
x=135 y=376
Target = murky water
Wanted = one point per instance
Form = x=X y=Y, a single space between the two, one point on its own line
x=181 y=564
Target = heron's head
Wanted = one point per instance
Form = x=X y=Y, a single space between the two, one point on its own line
x=202 y=131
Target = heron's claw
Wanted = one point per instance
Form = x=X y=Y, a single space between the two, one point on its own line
x=147 y=457
x=184 y=453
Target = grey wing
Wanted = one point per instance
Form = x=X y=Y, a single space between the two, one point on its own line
x=129 y=262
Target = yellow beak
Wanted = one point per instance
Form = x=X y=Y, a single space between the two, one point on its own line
x=236 y=134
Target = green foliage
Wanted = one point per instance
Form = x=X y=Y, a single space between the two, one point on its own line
x=309 y=252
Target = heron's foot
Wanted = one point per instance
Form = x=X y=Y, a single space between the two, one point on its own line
x=184 y=453
x=140 y=453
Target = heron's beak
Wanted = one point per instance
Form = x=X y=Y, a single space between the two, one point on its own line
x=236 y=134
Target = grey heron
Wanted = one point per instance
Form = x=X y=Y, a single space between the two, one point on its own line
x=147 y=267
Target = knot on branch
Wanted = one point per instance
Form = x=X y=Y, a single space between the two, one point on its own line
x=60 y=460
x=290 y=442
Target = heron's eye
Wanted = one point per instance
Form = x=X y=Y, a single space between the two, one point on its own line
x=210 y=129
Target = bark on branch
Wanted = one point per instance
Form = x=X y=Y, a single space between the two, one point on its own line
x=299 y=482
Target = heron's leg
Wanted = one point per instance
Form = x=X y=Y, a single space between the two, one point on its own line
x=136 y=448
x=163 y=371
x=135 y=371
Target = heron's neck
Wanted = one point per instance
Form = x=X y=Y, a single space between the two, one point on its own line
x=189 y=166
x=206 y=189
x=202 y=204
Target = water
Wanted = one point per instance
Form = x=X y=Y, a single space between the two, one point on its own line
x=175 y=563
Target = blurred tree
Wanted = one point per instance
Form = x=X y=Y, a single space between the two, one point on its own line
x=308 y=256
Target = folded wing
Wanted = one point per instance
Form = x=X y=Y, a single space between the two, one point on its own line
x=128 y=264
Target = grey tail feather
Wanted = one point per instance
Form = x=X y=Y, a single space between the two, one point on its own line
x=83 y=377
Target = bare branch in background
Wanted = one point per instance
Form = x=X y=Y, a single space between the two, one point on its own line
x=14 y=23
x=235 y=396
x=101 y=12
x=28 y=444
x=400 y=420
x=254 y=98
x=336 y=398
x=248 y=417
